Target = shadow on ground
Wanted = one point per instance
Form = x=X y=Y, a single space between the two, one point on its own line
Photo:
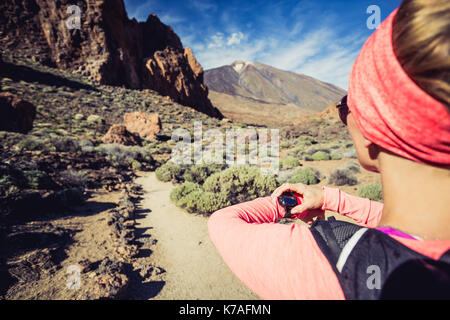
x=23 y=73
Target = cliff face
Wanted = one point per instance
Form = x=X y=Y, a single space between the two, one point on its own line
x=109 y=48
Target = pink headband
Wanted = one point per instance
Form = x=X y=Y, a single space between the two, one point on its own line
x=391 y=110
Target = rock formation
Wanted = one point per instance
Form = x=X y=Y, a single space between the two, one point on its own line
x=108 y=47
x=145 y=125
x=16 y=115
x=120 y=135
x=136 y=126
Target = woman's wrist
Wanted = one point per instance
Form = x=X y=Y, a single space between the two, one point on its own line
x=331 y=199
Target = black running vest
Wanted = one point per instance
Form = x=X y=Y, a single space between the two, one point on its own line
x=370 y=264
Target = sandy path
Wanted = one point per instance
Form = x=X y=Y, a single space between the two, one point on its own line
x=194 y=269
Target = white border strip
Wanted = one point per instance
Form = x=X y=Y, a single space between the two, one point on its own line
x=348 y=248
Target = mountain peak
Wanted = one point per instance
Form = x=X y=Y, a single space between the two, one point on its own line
x=239 y=65
x=269 y=85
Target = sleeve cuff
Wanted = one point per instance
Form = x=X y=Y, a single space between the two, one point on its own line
x=331 y=199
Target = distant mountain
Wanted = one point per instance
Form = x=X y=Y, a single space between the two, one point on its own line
x=260 y=83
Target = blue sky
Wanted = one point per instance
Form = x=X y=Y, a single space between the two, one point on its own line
x=314 y=37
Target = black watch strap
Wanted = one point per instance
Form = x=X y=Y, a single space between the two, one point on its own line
x=288 y=213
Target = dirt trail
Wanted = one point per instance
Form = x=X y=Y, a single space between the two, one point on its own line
x=194 y=269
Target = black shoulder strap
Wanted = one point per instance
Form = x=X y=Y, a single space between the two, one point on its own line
x=445 y=257
x=371 y=265
x=332 y=236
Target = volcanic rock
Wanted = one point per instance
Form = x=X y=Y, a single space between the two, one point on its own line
x=120 y=135
x=108 y=47
x=111 y=281
x=16 y=115
x=145 y=125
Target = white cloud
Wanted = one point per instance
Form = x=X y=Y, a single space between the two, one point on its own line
x=335 y=64
x=333 y=68
x=235 y=38
x=219 y=40
x=290 y=55
x=216 y=56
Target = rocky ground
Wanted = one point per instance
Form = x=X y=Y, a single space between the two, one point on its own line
x=64 y=163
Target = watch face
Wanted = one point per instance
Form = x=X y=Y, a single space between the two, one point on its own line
x=287 y=200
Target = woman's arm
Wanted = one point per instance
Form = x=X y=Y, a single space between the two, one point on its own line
x=275 y=261
x=364 y=211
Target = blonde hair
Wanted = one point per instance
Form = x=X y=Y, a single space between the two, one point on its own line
x=421 y=40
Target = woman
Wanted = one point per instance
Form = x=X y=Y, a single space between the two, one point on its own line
x=398 y=117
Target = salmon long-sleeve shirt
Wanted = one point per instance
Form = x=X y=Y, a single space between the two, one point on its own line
x=278 y=261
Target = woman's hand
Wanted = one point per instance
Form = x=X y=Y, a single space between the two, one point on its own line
x=312 y=200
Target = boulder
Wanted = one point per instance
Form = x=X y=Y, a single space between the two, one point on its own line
x=111 y=282
x=145 y=125
x=16 y=114
x=177 y=74
x=120 y=135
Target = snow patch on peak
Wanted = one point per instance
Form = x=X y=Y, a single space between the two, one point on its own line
x=240 y=65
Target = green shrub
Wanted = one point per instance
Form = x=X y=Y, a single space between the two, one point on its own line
x=170 y=172
x=95 y=119
x=335 y=156
x=372 y=191
x=341 y=177
x=208 y=202
x=265 y=184
x=78 y=117
x=305 y=176
x=183 y=190
x=38 y=180
x=290 y=162
x=285 y=145
x=306 y=140
x=136 y=165
x=12 y=180
x=65 y=144
x=241 y=183
x=352 y=166
x=189 y=202
x=297 y=152
x=203 y=202
x=32 y=143
x=350 y=154
x=200 y=172
x=73 y=178
x=8 y=186
x=122 y=155
x=321 y=155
